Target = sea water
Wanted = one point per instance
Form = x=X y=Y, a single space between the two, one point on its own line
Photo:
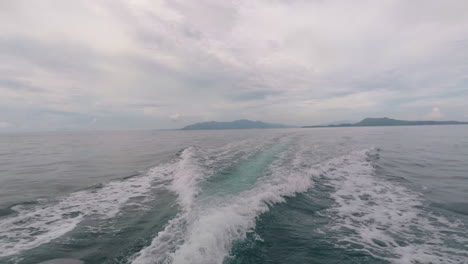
x=323 y=195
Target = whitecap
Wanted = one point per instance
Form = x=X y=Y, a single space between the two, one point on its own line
x=389 y=220
x=206 y=231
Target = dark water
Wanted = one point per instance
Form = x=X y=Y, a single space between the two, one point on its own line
x=331 y=195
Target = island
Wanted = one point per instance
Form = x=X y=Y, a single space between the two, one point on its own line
x=238 y=124
x=385 y=121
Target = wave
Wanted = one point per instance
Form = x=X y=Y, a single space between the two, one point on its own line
x=386 y=219
x=36 y=224
x=222 y=191
x=185 y=181
x=29 y=225
x=205 y=232
x=389 y=221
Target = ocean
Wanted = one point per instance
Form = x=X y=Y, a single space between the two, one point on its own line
x=323 y=195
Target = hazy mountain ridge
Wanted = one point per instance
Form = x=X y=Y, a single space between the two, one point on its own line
x=238 y=124
x=385 y=121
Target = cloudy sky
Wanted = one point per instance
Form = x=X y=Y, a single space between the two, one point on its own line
x=151 y=64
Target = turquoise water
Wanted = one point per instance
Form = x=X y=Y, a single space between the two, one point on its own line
x=332 y=195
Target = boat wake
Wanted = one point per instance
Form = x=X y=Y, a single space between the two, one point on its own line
x=220 y=194
x=384 y=218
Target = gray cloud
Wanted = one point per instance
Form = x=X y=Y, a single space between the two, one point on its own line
x=19 y=86
x=60 y=57
x=254 y=95
x=133 y=64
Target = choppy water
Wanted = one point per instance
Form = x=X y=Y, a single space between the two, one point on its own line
x=331 y=195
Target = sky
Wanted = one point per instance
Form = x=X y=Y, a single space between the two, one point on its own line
x=156 y=64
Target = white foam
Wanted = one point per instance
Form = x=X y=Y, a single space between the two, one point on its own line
x=36 y=225
x=385 y=218
x=33 y=226
x=184 y=181
x=206 y=232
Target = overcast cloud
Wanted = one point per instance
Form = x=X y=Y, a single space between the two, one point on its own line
x=150 y=64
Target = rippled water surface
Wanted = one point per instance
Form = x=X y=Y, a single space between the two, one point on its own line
x=325 y=195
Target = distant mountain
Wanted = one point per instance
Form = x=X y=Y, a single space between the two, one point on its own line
x=238 y=124
x=393 y=122
x=334 y=123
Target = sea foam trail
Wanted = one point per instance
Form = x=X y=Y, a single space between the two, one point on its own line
x=197 y=165
x=387 y=219
x=207 y=230
x=211 y=234
x=34 y=225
